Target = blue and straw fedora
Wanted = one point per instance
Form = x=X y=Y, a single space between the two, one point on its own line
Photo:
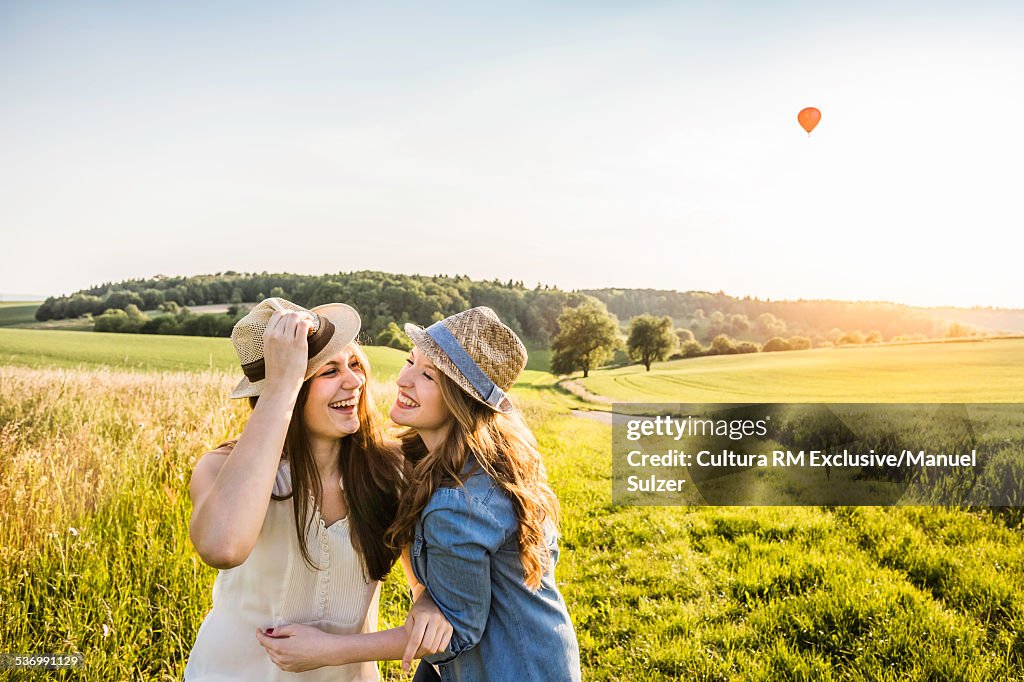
x=475 y=350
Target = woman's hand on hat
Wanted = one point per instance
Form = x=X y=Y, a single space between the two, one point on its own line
x=285 y=349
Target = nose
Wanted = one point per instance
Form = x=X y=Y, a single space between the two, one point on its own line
x=403 y=377
x=351 y=380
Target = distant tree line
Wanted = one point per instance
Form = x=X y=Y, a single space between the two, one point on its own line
x=582 y=328
x=709 y=315
x=172 y=319
x=382 y=299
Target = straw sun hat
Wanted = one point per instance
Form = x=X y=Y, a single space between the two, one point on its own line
x=335 y=326
x=476 y=351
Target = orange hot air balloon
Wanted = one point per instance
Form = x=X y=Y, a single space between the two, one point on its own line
x=808 y=118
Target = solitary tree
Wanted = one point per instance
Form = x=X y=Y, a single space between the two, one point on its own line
x=587 y=336
x=651 y=339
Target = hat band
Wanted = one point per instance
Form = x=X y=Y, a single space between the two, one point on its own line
x=488 y=390
x=257 y=370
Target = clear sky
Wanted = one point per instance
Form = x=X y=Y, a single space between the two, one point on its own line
x=582 y=144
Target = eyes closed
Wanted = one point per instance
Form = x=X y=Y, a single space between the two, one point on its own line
x=429 y=376
x=354 y=366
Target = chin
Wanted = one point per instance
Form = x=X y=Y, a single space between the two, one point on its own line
x=346 y=428
x=396 y=416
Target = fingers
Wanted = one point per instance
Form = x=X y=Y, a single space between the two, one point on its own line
x=413 y=645
x=267 y=641
x=443 y=637
x=288 y=324
x=300 y=325
x=436 y=638
x=285 y=349
x=273 y=324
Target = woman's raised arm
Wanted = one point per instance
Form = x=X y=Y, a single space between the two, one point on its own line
x=231 y=491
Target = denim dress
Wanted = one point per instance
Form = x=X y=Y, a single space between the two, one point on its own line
x=466 y=552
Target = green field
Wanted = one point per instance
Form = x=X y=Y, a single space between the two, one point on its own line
x=94 y=553
x=971 y=371
x=144 y=352
x=539 y=359
x=17 y=312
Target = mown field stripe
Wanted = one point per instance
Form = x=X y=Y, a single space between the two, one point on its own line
x=980 y=371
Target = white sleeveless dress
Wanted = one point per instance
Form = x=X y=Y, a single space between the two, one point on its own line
x=275 y=586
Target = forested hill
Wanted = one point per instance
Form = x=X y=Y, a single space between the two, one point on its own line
x=382 y=298
x=379 y=297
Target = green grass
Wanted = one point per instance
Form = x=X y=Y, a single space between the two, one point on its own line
x=143 y=352
x=975 y=371
x=656 y=593
x=17 y=312
x=539 y=359
x=780 y=593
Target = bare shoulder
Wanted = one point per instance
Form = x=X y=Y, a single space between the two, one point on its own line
x=207 y=468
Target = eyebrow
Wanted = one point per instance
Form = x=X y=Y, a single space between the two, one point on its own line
x=430 y=362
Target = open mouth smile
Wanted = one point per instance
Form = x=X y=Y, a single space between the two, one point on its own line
x=405 y=402
x=347 y=405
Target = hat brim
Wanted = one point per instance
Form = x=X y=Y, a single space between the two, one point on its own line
x=346 y=327
x=441 y=360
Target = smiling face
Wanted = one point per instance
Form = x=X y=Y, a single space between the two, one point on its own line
x=334 y=394
x=419 y=404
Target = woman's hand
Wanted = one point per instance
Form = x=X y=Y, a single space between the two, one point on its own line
x=296 y=648
x=285 y=349
x=429 y=632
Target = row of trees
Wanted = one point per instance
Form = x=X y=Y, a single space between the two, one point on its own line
x=582 y=331
x=589 y=336
x=753 y=319
x=174 y=320
x=381 y=298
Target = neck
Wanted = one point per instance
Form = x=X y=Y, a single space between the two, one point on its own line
x=325 y=454
x=433 y=438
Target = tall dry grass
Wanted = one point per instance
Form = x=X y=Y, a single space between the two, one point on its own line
x=94 y=508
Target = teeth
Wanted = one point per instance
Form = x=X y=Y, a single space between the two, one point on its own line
x=406 y=401
x=345 y=403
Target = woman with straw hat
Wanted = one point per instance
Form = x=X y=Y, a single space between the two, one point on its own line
x=477 y=512
x=294 y=511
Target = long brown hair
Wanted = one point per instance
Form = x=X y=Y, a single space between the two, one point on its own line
x=371 y=474
x=505 y=448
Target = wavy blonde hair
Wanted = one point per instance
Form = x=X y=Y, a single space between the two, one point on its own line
x=505 y=448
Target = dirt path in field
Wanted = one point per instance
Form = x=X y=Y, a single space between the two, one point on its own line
x=576 y=387
x=596 y=415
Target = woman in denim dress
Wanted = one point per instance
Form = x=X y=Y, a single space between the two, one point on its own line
x=478 y=510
